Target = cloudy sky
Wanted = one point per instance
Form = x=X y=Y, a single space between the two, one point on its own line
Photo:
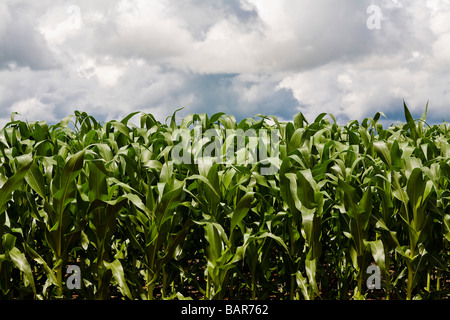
x=350 y=58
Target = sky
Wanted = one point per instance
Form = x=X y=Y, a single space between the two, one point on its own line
x=350 y=58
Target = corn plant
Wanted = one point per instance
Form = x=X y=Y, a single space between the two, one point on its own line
x=215 y=208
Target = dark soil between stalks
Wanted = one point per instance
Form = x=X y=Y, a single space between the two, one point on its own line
x=241 y=292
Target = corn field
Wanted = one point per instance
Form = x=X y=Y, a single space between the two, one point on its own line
x=111 y=199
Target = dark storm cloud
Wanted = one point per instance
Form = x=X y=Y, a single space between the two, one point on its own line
x=240 y=96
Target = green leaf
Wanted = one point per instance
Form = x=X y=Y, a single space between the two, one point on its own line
x=216 y=117
x=350 y=199
x=65 y=122
x=12 y=184
x=383 y=152
x=359 y=213
x=303 y=284
x=214 y=234
x=122 y=128
x=447 y=226
x=154 y=164
x=137 y=202
x=396 y=155
x=310 y=267
x=242 y=208
x=173 y=123
x=36 y=257
x=292 y=194
x=69 y=173
x=62 y=198
x=36 y=180
x=119 y=275
x=308 y=191
x=8 y=241
x=378 y=254
x=204 y=180
x=174 y=241
x=410 y=123
x=408 y=115
x=18 y=258
x=128 y=117
x=401 y=195
x=98 y=187
x=299 y=119
x=416 y=192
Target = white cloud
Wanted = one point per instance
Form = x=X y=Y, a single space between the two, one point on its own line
x=239 y=56
x=33 y=109
x=107 y=74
